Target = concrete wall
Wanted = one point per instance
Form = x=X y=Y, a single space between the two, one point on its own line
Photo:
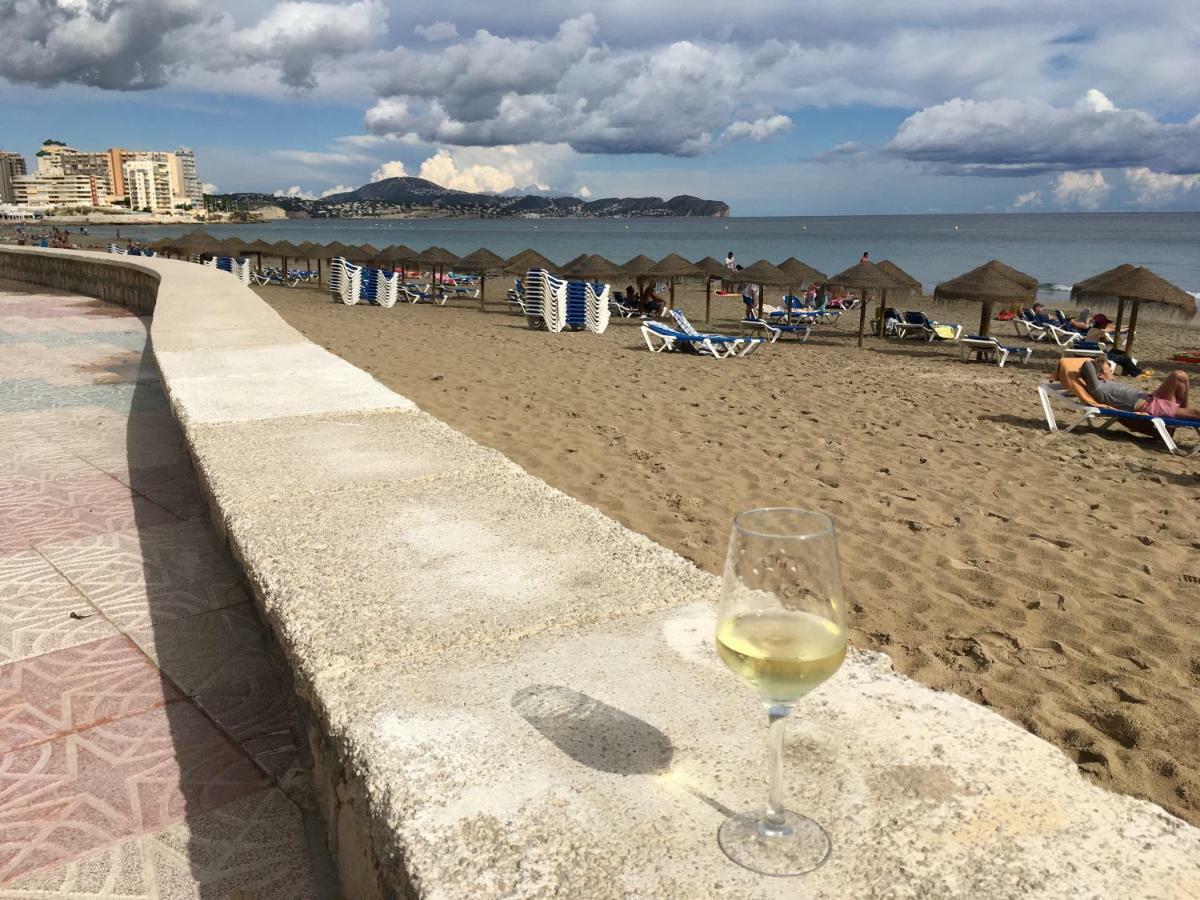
x=512 y=695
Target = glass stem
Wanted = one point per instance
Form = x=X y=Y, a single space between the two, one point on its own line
x=777 y=722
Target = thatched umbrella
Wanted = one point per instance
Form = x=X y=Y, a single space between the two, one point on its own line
x=798 y=273
x=231 y=247
x=480 y=262
x=1140 y=285
x=710 y=268
x=1021 y=278
x=522 y=262
x=639 y=266
x=673 y=266
x=1082 y=289
x=763 y=273
x=987 y=284
x=591 y=266
x=258 y=247
x=286 y=250
x=365 y=253
x=437 y=258
x=902 y=279
x=309 y=251
x=196 y=241
x=865 y=276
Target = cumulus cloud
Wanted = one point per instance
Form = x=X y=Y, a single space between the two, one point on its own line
x=393 y=169
x=209 y=188
x=490 y=90
x=1022 y=137
x=294 y=192
x=320 y=159
x=118 y=45
x=336 y=189
x=759 y=130
x=138 y=44
x=1157 y=188
x=298 y=33
x=533 y=168
x=1028 y=199
x=438 y=31
x=1085 y=189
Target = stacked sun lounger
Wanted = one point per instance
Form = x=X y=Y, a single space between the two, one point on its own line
x=552 y=304
x=129 y=251
x=345 y=281
x=545 y=301
x=239 y=268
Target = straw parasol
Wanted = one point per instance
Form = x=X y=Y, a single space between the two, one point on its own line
x=229 y=247
x=1026 y=281
x=673 y=266
x=365 y=253
x=437 y=258
x=481 y=262
x=286 y=250
x=639 y=266
x=987 y=284
x=799 y=272
x=710 y=268
x=522 y=262
x=1140 y=285
x=336 y=248
x=591 y=266
x=1083 y=289
x=763 y=273
x=197 y=241
x=258 y=247
x=902 y=279
x=865 y=276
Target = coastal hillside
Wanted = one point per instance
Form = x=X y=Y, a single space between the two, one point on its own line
x=419 y=196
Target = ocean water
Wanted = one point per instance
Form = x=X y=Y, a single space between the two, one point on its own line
x=1057 y=249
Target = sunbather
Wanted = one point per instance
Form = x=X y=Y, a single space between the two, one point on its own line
x=652 y=304
x=1170 y=400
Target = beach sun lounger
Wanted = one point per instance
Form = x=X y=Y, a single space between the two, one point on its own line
x=1069 y=396
x=988 y=349
x=920 y=324
x=777 y=327
x=1088 y=349
x=660 y=337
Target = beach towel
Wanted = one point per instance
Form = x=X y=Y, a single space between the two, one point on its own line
x=1067 y=374
x=944 y=332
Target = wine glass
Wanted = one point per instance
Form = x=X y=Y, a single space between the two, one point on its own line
x=781 y=628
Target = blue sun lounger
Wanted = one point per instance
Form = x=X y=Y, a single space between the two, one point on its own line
x=987 y=349
x=660 y=337
x=776 y=328
x=1106 y=417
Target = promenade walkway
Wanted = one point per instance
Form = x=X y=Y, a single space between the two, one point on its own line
x=147 y=743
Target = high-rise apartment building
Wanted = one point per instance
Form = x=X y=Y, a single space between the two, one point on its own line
x=164 y=180
x=11 y=165
x=54 y=189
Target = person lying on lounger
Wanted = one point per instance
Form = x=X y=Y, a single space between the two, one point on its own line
x=1170 y=400
x=652 y=304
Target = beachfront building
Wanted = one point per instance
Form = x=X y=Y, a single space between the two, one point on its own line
x=148 y=185
x=56 y=190
x=58 y=159
x=11 y=165
x=189 y=188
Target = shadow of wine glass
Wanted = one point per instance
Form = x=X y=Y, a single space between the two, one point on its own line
x=593 y=733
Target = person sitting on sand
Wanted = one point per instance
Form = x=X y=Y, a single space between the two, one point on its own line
x=1170 y=400
x=652 y=304
x=632 y=299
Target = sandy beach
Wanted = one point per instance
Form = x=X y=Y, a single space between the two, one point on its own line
x=1054 y=578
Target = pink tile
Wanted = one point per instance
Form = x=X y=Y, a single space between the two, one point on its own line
x=68 y=690
x=66 y=798
x=55 y=525
x=27 y=496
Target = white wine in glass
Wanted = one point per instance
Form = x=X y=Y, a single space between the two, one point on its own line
x=781 y=628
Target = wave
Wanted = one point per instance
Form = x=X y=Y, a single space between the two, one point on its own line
x=1052 y=288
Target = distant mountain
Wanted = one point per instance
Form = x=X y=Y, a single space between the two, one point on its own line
x=418 y=196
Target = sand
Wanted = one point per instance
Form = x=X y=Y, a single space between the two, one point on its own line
x=1045 y=575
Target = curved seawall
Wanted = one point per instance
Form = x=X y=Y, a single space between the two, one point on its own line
x=509 y=694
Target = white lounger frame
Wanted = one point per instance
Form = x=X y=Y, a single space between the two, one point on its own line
x=1053 y=391
x=983 y=349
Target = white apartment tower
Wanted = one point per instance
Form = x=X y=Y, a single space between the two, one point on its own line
x=148 y=185
x=190 y=186
x=11 y=165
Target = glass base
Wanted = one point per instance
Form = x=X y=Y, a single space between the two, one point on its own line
x=799 y=846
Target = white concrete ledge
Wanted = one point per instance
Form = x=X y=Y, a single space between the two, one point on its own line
x=514 y=696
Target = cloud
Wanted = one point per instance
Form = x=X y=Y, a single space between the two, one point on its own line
x=758 y=130
x=127 y=45
x=1157 y=188
x=297 y=34
x=1086 y=190
x=1024 y=137
x=847 y=152
x=336 y=189
x=438 y=31
x=113 y=45
x=209 y=188
x=533 y=168
x=294 y=192
x=393 y=169
x=1028 y=199
x=584 y=191
x=495 y=91
x=320 y=159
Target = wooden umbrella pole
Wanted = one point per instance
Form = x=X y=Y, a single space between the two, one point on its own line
x=482 y=285
x=882 y=309
x=1120 y=318
x=1132 y=327
x=672 y=292
x=985 y=318
x=862 y=318
x=708 y=300
x=762 y=291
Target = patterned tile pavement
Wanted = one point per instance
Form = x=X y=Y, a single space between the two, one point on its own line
x=145 y=734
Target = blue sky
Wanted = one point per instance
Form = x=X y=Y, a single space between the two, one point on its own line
x=814 y=107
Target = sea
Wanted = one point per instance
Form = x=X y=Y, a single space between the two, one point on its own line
x=1056 y=248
